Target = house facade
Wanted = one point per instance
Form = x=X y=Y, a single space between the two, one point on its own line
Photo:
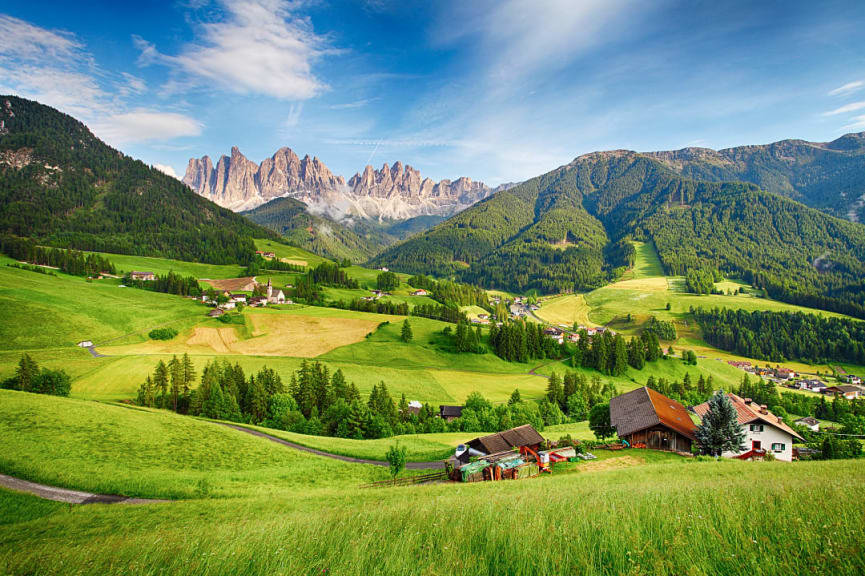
x=764 y=432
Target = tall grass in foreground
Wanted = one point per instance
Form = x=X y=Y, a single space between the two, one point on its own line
x=686 y=518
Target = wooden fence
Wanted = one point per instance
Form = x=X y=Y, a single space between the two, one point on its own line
x=408 y=480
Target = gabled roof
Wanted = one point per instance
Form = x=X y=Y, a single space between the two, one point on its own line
x=643 y=408
x=451 y=411
x=502 y=441
x=808 y=421
x=748 y=413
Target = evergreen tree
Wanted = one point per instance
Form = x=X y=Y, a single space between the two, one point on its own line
x=406 y=334
x=515 y=397
x=720 y=430
x=555 y=394
x=26 y=373
x=160 y=382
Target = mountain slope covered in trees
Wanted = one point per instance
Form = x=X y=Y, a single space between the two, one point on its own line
x=319 y=234
x=829 y=176
x=569 y=230
x=60 y=185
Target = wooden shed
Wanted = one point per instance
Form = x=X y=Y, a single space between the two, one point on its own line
x=644 y=416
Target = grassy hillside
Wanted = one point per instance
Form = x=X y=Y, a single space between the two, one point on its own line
x=134 y=452
x=70 y=189
x=612 y=517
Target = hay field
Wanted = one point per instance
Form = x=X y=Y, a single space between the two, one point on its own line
x=565 y=309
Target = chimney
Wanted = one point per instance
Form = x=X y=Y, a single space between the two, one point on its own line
x=748 y=401
x=763 y=409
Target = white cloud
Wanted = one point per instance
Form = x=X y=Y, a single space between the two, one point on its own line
x=856 y=123
x=518 y=38
x=258 y=47
x=353 y=105
x=852 y=107
x=166 y=169
x=54 y=68
x=143 y=125
x=293 y=117
x=848 y=88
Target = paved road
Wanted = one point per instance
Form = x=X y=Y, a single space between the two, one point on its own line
x=94 y=353
x=66 y=495
x=409 y=465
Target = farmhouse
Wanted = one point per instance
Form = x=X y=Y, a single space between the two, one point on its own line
x=216 y=313
x=420 y=292
x=764 y=431
x=450 y=413
x=508 y=440
x=809 y=422
x=237 y=298
x=851 y=379
x=811 y=384
x=848 y=391
x=85 y=344
x=257 y=301
x=648 y=418
x=784 y=373
x=145 y=276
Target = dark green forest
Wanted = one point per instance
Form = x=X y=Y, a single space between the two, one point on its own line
x=68 y=189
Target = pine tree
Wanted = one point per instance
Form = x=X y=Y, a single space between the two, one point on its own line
x=555 y=393
x=175 y=370
x=27 y=373
x=188 y=374
x=515 y=397
x=160 y=382
x=406 y=334
x=620 y=356
x=720 y=430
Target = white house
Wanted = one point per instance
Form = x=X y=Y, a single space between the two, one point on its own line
x=85 y=344
x=809 y=422
x=228 y=306
x=764 y=431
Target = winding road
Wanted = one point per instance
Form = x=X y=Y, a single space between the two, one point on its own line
x=437 y=465
x=68 y=496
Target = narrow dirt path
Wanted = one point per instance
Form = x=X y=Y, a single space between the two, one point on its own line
x=69 y=496
x=409 y=465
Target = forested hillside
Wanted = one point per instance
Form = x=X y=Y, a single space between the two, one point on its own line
x=829 y=176
x=568 y=230
x=62 y=186
x=290 y=218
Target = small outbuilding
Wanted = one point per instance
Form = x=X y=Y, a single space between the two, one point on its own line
x=450 y=413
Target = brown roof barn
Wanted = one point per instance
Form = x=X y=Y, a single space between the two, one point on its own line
x=503 y=441
x=644 y=416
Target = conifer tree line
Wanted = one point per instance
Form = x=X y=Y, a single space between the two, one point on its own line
x=170 y=283
x=521 y=341
x=258 y=264
x=780 y=336
x=330 y=274
x=29 y=377
x=573 y=396
x=613 y=354
x=451 y=294
x=71 y=262
x=319 y=401
x=387 y=281
x=698 y=281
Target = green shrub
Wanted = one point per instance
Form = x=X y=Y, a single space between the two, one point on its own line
x=162 y=333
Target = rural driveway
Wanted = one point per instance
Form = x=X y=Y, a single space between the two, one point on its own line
x=66 y=495
x=409 y=465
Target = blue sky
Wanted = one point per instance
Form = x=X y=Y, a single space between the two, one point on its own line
x=495 y=90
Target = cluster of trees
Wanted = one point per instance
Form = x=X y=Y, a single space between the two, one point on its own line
x=702 y=281
x=663 y=329
x=375 y=306
x=520 y=341
x=438 y=312
x=574 y=396
x=30 y=378
x=258 y=264
x=387 y=281
x=330 y=274
x=779 y=336
x=69 y=261
x=162 y=333
x=687 y=392
x=613 y=354
x=170 y=386
x=465 y=339
x=170 y=283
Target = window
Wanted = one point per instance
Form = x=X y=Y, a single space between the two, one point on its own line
x=778 y=446
x=756 y=427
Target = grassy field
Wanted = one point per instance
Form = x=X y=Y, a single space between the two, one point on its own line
x=566 y=309
x=134 y=452
x=623 y=515
x=126 y=263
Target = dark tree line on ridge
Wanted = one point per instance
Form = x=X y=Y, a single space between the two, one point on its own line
x=779 y=336
x=170 y=283
x=71 y=262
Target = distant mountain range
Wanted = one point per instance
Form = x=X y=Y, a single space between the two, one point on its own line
x=392 y=193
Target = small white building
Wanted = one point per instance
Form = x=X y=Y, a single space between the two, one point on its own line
x=809 y=422
x=764 y=431
x=85 y=344
x=228 y=306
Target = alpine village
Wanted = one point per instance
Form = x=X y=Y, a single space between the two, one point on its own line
x=595 y=358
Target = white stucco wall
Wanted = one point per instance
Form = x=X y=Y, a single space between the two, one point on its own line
x=770 y=435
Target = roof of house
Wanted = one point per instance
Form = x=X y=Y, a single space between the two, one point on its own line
x=502 y=441
x=747 y=412
x=808 y=421
x=451 y=411
x=847 y=388
x=643 y=408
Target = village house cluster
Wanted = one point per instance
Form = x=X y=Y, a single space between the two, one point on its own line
x=849 y=388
